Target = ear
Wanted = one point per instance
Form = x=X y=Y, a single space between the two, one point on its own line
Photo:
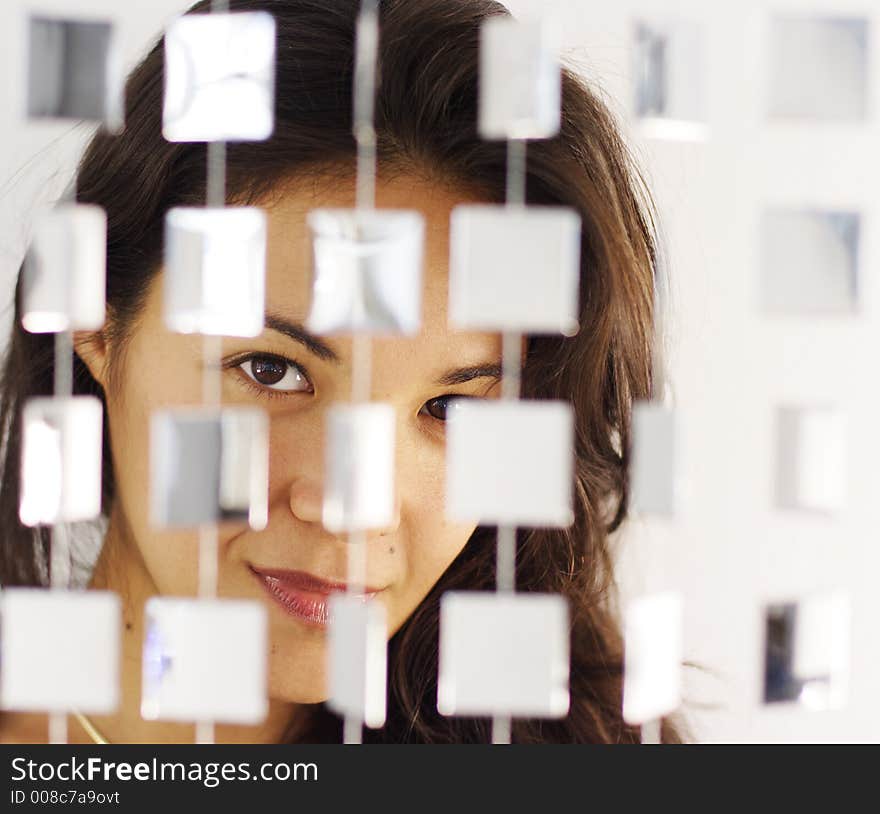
x=92 y=348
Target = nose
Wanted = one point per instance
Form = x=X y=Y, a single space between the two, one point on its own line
x=307 y=499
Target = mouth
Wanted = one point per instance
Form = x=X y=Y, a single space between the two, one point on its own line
x=302 y=595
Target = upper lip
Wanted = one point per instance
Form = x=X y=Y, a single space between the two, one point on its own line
x=306 y=581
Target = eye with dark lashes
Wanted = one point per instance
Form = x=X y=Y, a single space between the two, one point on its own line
x=445 y=399
x=264 y=390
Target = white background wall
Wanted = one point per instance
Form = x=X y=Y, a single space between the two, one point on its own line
x=729 y=550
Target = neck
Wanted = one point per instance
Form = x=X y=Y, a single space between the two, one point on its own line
x=120 y=568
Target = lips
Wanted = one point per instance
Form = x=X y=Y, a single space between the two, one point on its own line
x=304 y=595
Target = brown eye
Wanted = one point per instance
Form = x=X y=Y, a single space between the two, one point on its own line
x=438 y=407
x=276 y=374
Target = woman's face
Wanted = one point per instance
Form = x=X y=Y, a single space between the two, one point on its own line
x=160 y=369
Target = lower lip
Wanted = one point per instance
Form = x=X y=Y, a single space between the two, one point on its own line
x=308 y=606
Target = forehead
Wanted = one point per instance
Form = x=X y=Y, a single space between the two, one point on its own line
x=288 y=263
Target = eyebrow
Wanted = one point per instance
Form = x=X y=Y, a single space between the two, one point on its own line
x=298 y=333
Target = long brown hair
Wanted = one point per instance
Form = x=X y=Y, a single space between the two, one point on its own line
x=425 y=117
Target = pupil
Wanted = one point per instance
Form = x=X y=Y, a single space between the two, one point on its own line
x=272 y=370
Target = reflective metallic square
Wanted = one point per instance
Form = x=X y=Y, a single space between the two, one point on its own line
x=654 y=461
x=818 y=68
x=46 y=634
x=514 y=269
x=64 y=277
x=215 y=270
x=357 y=657
x=366 y=271
x=220 y=77
x=811 y=459
x=359 y=490
x=520 y=79
x=208 y=466
x=653 y=657
x=205 y=660
x=510 y=462
x=809 y=262
x=669 y=70
x=74 y=71
x=61 y=457
x=806 y=651
x=503 y=654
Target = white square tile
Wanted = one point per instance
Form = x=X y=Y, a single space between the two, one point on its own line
x=818 y=67
x=75 y=70
x=59 y=649
x=220 y=77
x=65 y=270
x=61 y=459
x=514 y=268
x=510 y=462
x=811 y=459
x=215 y=270
x=205 y=660
x=359 y=492
x=520 y=79
x=209 y=466
x=809 y=262
x=653 y=657
x=503 y=654
x=366 y=271
x=357 y=658
x=807 y=651
x=654 y=461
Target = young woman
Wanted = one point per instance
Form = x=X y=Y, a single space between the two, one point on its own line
x=430 y=158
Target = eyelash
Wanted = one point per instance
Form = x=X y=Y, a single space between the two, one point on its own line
x=263 y=391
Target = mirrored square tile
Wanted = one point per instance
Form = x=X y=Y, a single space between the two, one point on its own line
x=204 y=660
x=514 y=269
x=818 y=67
x=653 y=635
x=65 y=270
x=215 y=270
x=366 y=271
x=208 y=466
x=811 y=458
x=510 y=462
x=503 y=654
x=809 y=262
x=359 y=491
x=220 y=77
x=74 y=70
x=520 y=79
x=45 y=634
x=357 y=657
x=654 y=462
x=61 y=459
x=806 y=651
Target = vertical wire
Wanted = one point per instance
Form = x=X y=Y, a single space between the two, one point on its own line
x=209 y=544
x=366 y=56
x=511 y=385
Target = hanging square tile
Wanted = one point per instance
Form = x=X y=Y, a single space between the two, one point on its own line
x=520 y=79
x=45 y=634
x=654 y=461
x=360 y=491
x=204 y=660
x=64 y=273
x=510 y=462
x=366 y=271
x=531 y=254
x=61 y=459
x=503 y=654
x=209 y=466
x=74 y=71
x=220 y=77
x=215 y=270
x=357 y=657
